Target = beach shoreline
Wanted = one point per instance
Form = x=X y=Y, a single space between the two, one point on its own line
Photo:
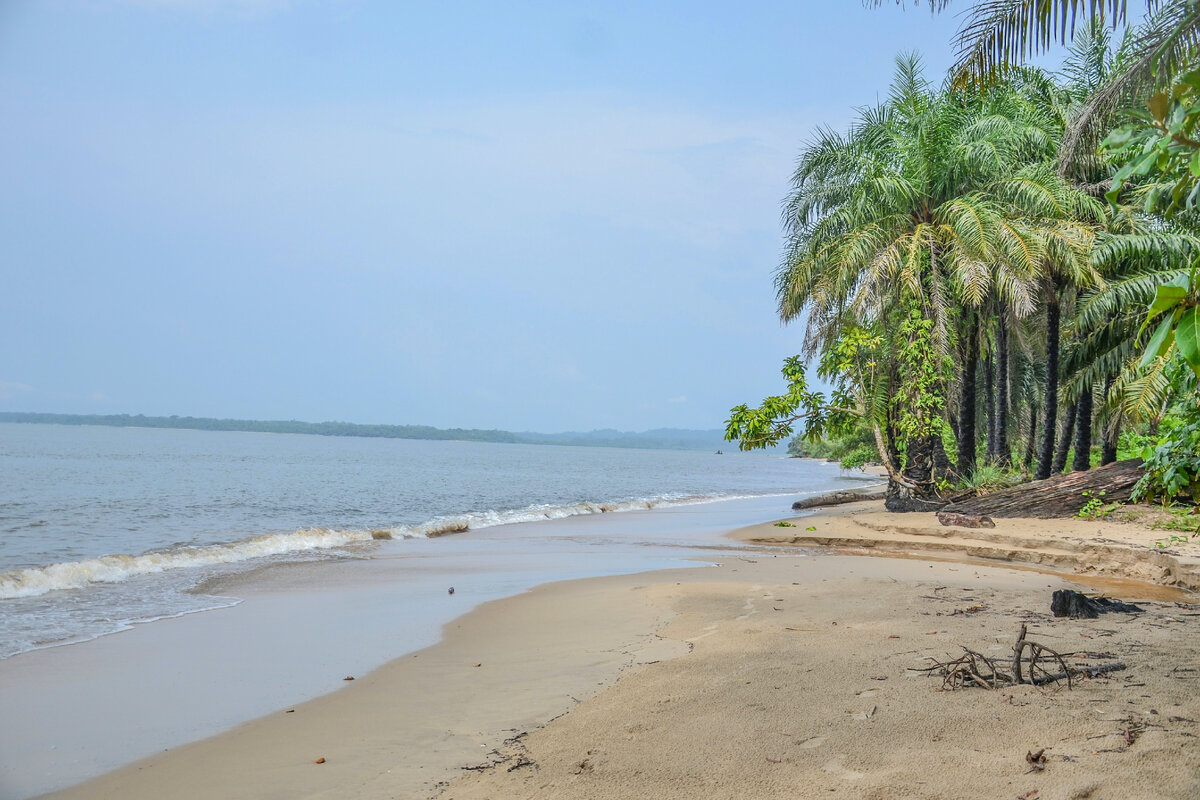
x=81 y=710
x=539 y=678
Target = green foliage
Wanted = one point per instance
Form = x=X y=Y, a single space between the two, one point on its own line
x=919 y=407
x=853 y=447
x=798 y=447
x=1160 y=149
x=1162 y=152
x=939 y=205
x=991 y=478
x=1135 y=444
x=775 y=418
x=1172 y=468
x=859 y=457
x=935 y=195
x=783 y=523
x=1185 y=519
x=1177 y=308
x=1094 y=506
x=1161 y=155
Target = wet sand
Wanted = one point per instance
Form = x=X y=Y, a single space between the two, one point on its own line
x=76 y=712
x=778 y=673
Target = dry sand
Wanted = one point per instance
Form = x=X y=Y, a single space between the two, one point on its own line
x=1093 y=547
x=776 y=674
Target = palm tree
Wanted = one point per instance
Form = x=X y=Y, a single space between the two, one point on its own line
x=905 y=208
x=1065 y=222
x=998 y=34
x=1107 y=326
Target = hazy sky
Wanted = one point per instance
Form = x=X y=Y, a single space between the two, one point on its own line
x=523 y=215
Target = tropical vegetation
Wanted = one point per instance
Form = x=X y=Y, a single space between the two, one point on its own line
x=999 y=271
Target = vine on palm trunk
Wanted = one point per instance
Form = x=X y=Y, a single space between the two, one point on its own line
x=919 y=406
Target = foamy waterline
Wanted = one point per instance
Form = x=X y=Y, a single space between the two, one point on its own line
x=35 y=581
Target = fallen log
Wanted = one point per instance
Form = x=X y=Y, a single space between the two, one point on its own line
x=1057 y=496
x=838 y=498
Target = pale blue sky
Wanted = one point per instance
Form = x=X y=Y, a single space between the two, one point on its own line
x=532 y=216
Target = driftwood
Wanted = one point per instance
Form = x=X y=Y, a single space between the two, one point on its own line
x=1035 y=654
x=1058 y=496
x=1066 y=603
x=838 y=498
x=976 y=669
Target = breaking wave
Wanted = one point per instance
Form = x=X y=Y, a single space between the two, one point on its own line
x=116 y=568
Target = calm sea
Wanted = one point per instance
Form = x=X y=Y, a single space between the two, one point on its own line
x=102 y=527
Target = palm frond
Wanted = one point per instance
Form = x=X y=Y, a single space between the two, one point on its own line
x=1147 y=59
x=1143 y=393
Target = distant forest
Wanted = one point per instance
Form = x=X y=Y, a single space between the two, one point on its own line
x=660 y=439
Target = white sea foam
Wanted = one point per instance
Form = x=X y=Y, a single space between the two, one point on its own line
x=36 y=581
x=115 y=568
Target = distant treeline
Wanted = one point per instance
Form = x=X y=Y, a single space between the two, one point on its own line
x=661 y=439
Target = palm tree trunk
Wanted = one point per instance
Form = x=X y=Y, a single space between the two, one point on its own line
x=1049 y=424
x=966 y=401
x=1112 y=431
x=1003 y=454
x=940 y=460
x=989 y=405
x=1083 y=433
x=1108 y=453
x=1064 y=438
x=1031 y=445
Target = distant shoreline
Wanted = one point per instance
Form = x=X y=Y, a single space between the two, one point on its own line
x=660 y=439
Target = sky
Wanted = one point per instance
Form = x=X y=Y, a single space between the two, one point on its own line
x=539 y=216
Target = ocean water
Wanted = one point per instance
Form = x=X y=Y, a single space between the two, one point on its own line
x=102 y=528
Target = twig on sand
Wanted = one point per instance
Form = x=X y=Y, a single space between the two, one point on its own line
x=1028 y=665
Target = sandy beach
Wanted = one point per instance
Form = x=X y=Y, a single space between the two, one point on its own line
x=782 y=672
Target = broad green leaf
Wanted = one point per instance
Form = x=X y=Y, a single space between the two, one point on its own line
x=1123 y=173
x=1159 y=342
x=1187 y=337
x=1118 y=138
x=1159 y=105
x=1152 y=199
x=1193 y=195
x=1114 y=194
x=1191 y=79
x=1194 y=166
x=1166 y=296
x=1142 y=165
x=1183 y=281
x=1178 y=118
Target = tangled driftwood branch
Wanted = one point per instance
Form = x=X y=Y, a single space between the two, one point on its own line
x=1036 y=652
x=976 y=669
